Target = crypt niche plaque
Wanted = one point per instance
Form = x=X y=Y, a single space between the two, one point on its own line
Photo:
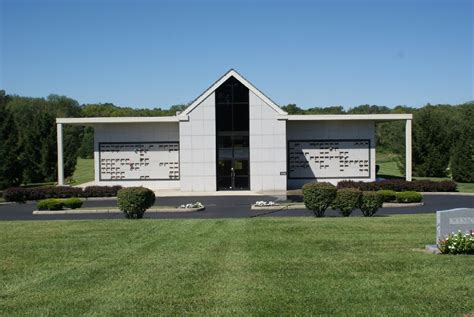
x=329 y=159
x=139 y=161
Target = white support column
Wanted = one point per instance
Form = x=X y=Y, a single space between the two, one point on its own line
x=408 y=150
x=59 y=127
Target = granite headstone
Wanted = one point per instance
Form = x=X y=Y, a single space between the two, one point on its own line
x=454 y=220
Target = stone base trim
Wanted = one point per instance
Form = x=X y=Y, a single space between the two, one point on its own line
x=432 y=248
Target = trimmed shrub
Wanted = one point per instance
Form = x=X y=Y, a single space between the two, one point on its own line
x=400 y=185
x=370 y=202
x=409 y=197
x=16 y=194
x=457 y=243
x=37 y=193
x=101 y=191
x=22 y=194
x=134 y=201
x=387 y=195
x=347 y=199
x=318 y=197
x=61 y=191
x=50 y=204
x=72 y=203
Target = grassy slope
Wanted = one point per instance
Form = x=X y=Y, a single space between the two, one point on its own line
x=388 y=164
x=84 y=171
x=389 y=169
x=267 y=266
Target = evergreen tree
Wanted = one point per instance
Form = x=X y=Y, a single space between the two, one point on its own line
x=86 y=150
x=31 y=142
x=10 y=167
x=462 y=158
x=431 y=142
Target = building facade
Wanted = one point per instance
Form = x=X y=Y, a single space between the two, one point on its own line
x=233 y=137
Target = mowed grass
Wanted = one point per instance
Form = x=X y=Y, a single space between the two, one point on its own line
x=389 y=169
x=84 y=171
x=260 y=266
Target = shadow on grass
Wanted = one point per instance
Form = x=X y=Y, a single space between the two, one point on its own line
x=389 y=176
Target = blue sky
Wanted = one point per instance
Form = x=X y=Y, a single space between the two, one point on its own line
x=312 y=53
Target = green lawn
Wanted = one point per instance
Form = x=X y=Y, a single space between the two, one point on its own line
x=84 y=171
x=265 y=266
x=389 y=169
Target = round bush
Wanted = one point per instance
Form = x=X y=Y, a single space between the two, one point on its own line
x=347 y=200
x=387 y=195
x=370 y=202
x=134 y=201
x=409 y=197
x=72 y=203
x=318 y=197
x=50 y=204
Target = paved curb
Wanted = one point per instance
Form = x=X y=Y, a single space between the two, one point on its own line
x=274 y=207
x=446 y=194
x=75 y=212
x=302 y=206
x=279 y=207
x=401 y=205
x=108 y=211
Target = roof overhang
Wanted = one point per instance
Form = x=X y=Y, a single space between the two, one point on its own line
x=183 y=117
x=345 y=117
x=105 y=120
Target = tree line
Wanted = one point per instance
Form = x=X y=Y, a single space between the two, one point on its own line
x=442 y=135
x=28 y=148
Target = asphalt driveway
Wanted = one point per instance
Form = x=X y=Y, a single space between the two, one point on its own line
x=227 y=207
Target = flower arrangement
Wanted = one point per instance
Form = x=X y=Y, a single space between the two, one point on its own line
x=457 y=243
x=262 y=203
x=196 y=204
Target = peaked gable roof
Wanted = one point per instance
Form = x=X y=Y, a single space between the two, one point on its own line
x=245 y=82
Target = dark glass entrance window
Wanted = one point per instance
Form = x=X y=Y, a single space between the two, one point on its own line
x=232 y=131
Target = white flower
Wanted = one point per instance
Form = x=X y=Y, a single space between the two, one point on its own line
x=262 y=203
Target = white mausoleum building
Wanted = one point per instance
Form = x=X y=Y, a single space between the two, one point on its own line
x=233 y=137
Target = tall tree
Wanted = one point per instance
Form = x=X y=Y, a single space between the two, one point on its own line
x=10 y=167
x=431 y=142
x=35 y=119
x=86 y=150
x=462 y=158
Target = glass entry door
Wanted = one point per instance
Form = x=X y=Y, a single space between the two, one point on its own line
x=232 y=131
x=232 y=162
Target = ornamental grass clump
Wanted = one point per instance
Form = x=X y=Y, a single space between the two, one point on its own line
x=347 y=200
x=318 y=197
x=370 y=202
x=457 y=243
x=134 y=201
